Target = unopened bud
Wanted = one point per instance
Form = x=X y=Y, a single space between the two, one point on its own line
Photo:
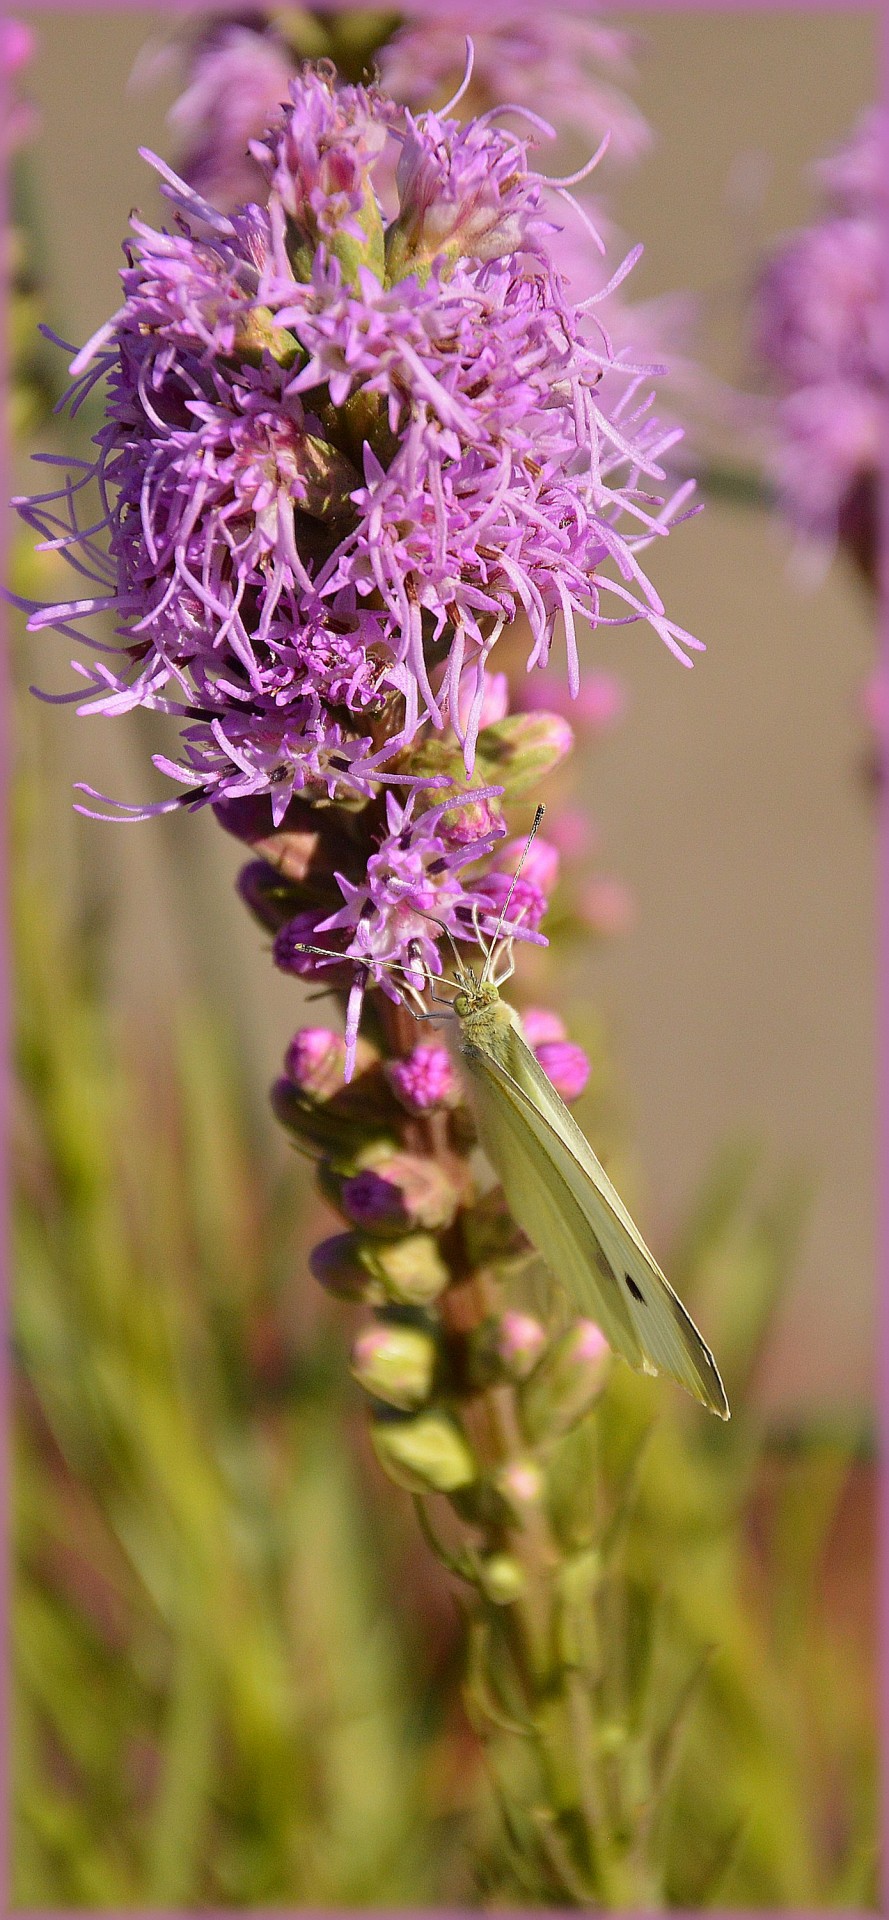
x=338 y=1267
x=567 y=1382
x=520 y=750
x=599 y=704
x=502 y=1579
x=520 y=1343
x=410 y=1271
x=314 y=1100
x=507 y=1348
x=394 y=1192
x=490 y=1233
x=270 y=899
x=566 y=1065
x=315 y=1061
x=540 y=1026
x=395 y=1364
x=520 y=1484
x=426 y=1454
x=425 y=1080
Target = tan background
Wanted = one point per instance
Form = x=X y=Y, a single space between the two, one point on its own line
x=730 y=800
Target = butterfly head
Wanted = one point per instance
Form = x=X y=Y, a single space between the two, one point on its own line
x=473 y=995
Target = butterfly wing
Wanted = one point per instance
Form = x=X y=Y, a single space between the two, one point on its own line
x=563 y=1199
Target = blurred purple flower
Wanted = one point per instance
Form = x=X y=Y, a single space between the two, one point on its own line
x=16 y=52
x=821 y=329
x=238 y=82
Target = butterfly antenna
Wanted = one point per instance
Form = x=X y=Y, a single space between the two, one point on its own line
x=513 y=884
x=362 y=960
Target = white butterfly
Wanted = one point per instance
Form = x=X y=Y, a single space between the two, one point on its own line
x=558 y=1191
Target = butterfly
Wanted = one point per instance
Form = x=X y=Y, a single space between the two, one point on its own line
x=557 y=1189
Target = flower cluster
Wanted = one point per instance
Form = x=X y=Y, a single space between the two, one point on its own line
x=560 y=62
x=342 y=453
x=821 y=330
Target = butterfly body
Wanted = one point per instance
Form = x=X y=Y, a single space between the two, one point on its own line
x=563 y=1200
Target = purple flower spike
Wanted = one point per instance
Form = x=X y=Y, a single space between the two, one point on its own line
x=341 y=455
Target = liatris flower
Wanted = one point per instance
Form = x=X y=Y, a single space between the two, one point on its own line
x=821 y=331
x=563 y=63
x=343 y=450
x=326 y=484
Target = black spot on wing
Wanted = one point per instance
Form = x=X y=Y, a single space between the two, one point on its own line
x=635 y=1291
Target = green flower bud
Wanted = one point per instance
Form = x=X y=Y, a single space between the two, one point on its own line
x=391 y=1192
x=518 y=751
x=502 y=1579
x=505 y=1348
x=426 y=1454
x=567 y=1382
x=396 y=1364
x=410 y=1271
x=520 y=1485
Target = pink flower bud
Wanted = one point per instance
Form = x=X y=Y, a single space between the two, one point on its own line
x=566 y=1065
x=573 y=833
x=495 y=699
x=401 y=1190
x=567 y=1382
x=540 y=1025
x=519 y=1343
x=315 y=1061
x=521 y=1485
x=395 y=1364
x=268 y=896
x=426 y=1079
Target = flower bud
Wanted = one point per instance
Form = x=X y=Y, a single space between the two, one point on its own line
x=518 y=752
x=520 y=1342
x=270 y=899
x=567 y=1382
x=427 y=1453
x=409 y=1271
x=507 y=1348
x=395 y=1364
x=566 y=1065
x=425 y=1080
x=490 y=1233
x=338 y=1267
x=502 y=1579
x=520 y=1485
x=394 y=1191
x=540 y=1025
x=314 y=1101
x=315 y=1061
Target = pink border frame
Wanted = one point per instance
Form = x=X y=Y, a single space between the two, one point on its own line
x=24 y=10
